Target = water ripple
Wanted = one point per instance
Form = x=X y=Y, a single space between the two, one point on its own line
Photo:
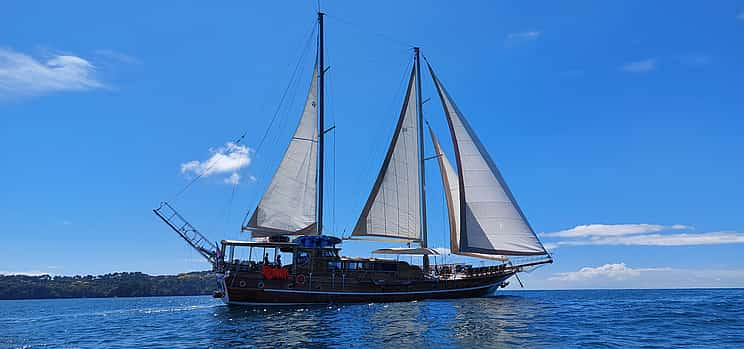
x=530 y=319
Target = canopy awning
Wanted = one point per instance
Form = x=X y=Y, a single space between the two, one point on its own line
x=403 y=250
x=258 y=244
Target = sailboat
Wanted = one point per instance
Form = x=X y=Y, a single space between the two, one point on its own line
x=485 y=221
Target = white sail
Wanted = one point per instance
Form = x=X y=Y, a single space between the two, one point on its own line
x=451 y=185
x=490 y=218
x=288 y=205
x=393 y=207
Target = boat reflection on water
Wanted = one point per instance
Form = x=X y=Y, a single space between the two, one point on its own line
x=499 y=321
x=522 y=319
x=274 y=326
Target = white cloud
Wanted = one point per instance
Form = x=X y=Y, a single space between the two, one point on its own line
x=643 y=66
x=234 y=179
x=638 y=235
x=615 y=271
x=711 y=238
x=66 y=222
x=227 y=159
x=740 y=16
x=525 y=36
x=23 y=75
x=621 y=275
x=613 y=230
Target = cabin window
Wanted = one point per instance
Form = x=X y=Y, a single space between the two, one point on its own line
x=303 y=257
x=328 y=253
x=350 y=265
x=334 y=265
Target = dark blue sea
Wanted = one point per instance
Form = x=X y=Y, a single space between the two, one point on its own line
x=526 y=319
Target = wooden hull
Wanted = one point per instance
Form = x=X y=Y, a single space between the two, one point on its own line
x=281 y=292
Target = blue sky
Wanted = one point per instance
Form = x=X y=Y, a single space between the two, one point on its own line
x=617 y=125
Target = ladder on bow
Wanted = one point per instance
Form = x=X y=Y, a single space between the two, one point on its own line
x=187 y=231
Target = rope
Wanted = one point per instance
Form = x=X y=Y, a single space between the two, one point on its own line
x=332 y=115
x=373 y=146
x=263 y=138
x=378 y=34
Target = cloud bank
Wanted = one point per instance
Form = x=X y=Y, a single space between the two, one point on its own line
x=613 y=230
x=711 y=238
x=615 y=271
x=622 y=275
x=22 y=75
x=639 y=235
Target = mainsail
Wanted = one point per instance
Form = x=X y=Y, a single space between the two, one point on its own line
x=393 y=207
x=490 y=220
x=451 y=185
x=289 y=204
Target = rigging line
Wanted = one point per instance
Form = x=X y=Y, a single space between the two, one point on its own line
x=364 y=30
x=444 y=213
x=333 y=208
x=332 y=115
x=242 y=136
x=374 y=146
x=293 y=81
x=286 y=90
x=286 y=100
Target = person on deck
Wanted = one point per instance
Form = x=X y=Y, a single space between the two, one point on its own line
x=278 y=261
x=266 y=259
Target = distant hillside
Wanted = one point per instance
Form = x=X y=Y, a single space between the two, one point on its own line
x=109 y=285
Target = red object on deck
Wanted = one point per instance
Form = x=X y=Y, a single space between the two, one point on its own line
x=274 y=273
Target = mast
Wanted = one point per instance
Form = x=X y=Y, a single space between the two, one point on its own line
x=422 y=172
x=321 y=126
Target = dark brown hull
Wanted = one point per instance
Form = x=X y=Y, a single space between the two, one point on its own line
x=281 y=292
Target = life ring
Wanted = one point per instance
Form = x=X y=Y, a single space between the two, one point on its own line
x=300 y=279
x=260 y=284
x=242 y=283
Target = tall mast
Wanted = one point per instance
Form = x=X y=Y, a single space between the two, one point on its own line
x=422 y=172
x=321 y=126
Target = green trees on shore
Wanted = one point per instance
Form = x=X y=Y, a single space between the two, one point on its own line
x=108 y=285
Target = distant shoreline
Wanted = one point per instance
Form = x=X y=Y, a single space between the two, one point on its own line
x=202 y=283
x=18 y=287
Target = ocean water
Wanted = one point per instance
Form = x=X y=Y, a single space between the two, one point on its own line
x=527 y=319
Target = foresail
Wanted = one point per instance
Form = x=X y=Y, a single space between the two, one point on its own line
x=451 y=185
x=288 y=205
x=393 y=207
x=490 y=218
